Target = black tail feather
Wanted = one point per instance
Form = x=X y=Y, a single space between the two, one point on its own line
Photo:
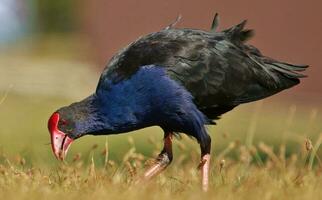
x=289 y=74
x=288 y=70
x=291 y=67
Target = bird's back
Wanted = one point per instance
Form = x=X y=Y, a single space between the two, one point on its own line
x=217 y=68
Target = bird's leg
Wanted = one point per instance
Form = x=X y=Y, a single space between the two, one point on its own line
x=163 y=160
x=205 y=164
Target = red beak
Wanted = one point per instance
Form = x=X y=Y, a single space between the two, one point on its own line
x=60 y=142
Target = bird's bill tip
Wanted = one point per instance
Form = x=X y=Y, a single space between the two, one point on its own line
x=60 y=141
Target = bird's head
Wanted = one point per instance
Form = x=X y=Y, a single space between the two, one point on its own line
x=65 y=125
x=72 y=122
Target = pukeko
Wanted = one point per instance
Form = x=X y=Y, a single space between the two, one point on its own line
x=178 y=79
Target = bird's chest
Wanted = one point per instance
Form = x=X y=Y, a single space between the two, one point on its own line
x=149 y=97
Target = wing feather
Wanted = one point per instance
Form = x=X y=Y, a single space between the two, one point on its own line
x=217 y=68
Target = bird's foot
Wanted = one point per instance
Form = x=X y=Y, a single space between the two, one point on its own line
x=160 y=164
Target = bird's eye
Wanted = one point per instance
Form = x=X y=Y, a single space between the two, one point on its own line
x=63 y=122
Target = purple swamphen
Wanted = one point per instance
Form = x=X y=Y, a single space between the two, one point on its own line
x=178 y=79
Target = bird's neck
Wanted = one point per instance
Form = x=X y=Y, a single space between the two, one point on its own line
x=114 y=114
x=89 y=119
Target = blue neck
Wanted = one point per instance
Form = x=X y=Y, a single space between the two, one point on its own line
x=133 y=103
x=149 y=97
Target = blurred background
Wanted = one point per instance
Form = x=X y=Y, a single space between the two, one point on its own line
x=52 y=53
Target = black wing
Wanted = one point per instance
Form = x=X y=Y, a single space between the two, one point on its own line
x=217 y=68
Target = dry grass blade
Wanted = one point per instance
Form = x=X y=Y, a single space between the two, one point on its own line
x=106 y=153
x=308 y=145
x=269 y=151
x=222 y=165
x=129 y=154
x=245 y=155
x=131 y=169
x=314 y=152
x=92 y=171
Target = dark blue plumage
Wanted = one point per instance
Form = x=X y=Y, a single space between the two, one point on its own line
x=147 y=98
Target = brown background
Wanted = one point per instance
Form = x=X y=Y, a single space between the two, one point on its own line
x=288 y=30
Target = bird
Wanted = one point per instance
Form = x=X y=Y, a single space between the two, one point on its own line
x=180 y=79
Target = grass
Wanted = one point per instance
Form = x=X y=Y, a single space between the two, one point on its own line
x=249 y=164
x=237 y=180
